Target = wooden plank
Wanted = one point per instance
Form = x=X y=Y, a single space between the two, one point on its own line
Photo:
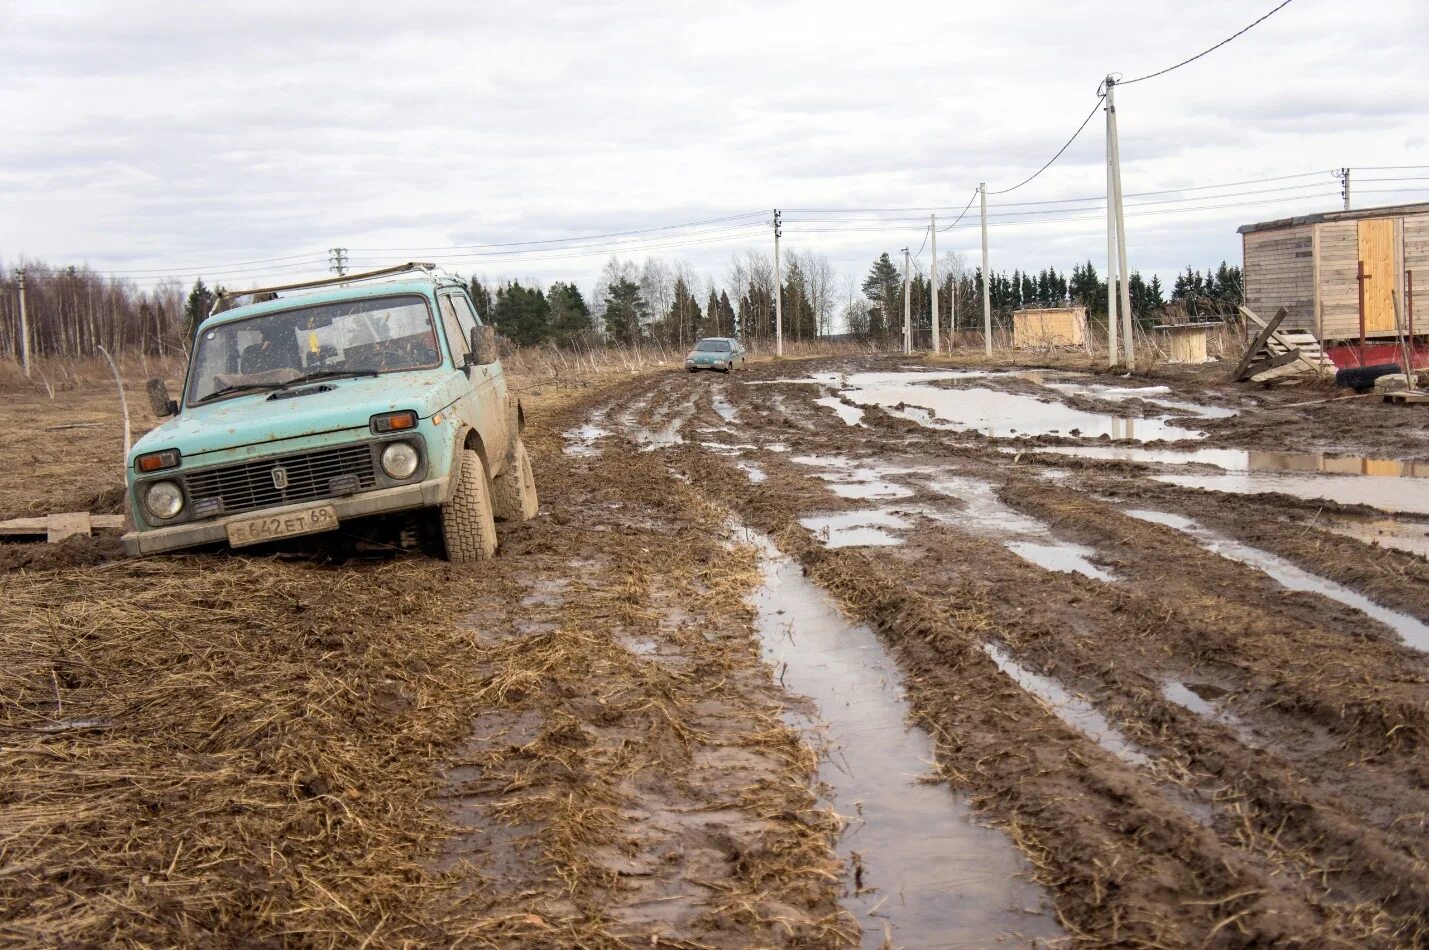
x=1266 y=329
x=24 y=527
x=1274 y=362
x=1408 y=398
x=67 y=525
x=107 y=522
x=1376 y=249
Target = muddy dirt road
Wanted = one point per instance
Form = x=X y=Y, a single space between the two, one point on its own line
x=819 y=654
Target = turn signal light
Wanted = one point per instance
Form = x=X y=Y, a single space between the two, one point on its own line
x=157 y=461
x=394 y=421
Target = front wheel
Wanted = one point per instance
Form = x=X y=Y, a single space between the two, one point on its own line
x=468 y=525
x=514 y=491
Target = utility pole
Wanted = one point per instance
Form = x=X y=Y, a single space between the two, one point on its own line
x=986 y=277
x=337 y=260
x=1344 y=176
x=1128 y=341
x=778 y=293
x=1113 y=355
x=24 y=322
x=907 y=305
x=933 y=278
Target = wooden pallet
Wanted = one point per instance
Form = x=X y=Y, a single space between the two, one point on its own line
x=1278 y=356
x=1408 y=397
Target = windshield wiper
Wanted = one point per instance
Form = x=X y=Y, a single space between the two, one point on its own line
x=239 y=388
x=332 y=374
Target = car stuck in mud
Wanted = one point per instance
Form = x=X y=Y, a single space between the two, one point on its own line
x=317 y=404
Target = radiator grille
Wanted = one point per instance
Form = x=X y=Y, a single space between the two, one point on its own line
x=249 y=485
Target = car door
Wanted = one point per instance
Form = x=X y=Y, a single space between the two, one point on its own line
x=483 y=407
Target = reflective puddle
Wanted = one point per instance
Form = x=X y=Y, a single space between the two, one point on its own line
x=752 y=471
x=851 y=415
x=1288 y=575
x=1075 y=711
x=1237 y=460
x=1409 y=536
x=1154 y=395
x=984 y=514
x=930 y=875
x=1410 y=495
x=581 y=441
x=857 y=528
x=722 y=406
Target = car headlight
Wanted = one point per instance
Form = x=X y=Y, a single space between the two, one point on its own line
x=164 y=500
x=399 y=460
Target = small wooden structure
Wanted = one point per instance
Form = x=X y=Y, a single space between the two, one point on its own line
x=1276 y=356
x=1337 y=273
x=1054 y=326
x=1186 y=342
x=57 y=527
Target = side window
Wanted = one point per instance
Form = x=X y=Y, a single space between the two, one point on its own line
x=457 y=338
x=465 y=315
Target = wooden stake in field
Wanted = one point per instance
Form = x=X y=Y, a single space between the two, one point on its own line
x=123 y=408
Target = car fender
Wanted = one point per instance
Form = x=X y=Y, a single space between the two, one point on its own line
x=466 y=438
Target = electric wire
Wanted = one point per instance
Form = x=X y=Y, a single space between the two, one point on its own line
x=584 y=237
x=1064 y=147
x=964 y=211
x=1186 y=62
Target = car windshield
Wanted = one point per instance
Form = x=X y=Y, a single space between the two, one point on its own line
x=376 y=335
x=712 y=346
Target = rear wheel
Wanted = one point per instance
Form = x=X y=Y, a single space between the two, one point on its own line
x=514 y=491
x=468 y=527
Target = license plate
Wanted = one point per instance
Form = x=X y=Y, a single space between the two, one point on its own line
x=257 y=530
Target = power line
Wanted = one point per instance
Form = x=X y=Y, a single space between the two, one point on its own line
x=963 y=212
x=583 y=237
x=1184 y=62
x=1059 y=151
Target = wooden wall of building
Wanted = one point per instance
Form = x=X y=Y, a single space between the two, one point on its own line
x=1416 y=259
x=1280 y=272
x=1339 y=250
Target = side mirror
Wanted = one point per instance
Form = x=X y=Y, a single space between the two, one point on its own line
x=484 y=350
x=159 y=399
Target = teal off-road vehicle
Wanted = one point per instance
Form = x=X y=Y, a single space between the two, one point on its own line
x=313 y=405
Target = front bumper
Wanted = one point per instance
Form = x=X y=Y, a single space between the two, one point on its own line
x=425 y=494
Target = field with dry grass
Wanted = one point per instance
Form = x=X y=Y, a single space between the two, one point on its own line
x=1140 y=723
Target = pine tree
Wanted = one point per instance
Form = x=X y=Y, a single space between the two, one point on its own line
x=196 y=308
x=625 y=311
x=480 y=298
x=522 y=314
x=883 y=288
x=570 y=317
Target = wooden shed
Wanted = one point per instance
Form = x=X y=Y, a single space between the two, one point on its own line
x=1317 y=266
x=1054 y=326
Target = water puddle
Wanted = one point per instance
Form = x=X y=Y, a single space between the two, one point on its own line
x=1204 y=700
x=851 y=415
x=1408 y=495
x=857 y=529
x=581 y=441
x=995 y=413
x=1238 y=460
x=1075 y=711
x=930 y=874
x=753 y=471
x=722 y=406
x=661 y=436
x=1154 y=395
x=984 y=514
x=1409 y=536
x=1290 y=576
x=1067 y=558
x=870 y=490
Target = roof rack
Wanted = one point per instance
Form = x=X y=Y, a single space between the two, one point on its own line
x=268 y=293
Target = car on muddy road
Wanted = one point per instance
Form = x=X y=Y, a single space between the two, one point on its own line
x=313 y=405
x=721 y=353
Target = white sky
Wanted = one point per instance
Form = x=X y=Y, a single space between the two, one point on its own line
x=172 y=138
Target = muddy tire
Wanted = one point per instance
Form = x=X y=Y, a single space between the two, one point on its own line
x=513 y=493
x=468 y=528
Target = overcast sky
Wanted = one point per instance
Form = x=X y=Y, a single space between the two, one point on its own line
x=150 y=138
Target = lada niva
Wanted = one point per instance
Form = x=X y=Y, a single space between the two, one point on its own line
x=313 y=405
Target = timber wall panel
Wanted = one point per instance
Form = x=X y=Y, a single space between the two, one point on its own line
x=1279 y=272
x=1339 y=287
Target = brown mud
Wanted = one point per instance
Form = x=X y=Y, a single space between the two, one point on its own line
x=598 y=739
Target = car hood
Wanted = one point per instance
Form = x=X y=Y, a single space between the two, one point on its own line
x=255 y=418
x=704 y=356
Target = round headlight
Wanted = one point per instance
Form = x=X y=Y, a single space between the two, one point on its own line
x=399 y=460
x=164 y=500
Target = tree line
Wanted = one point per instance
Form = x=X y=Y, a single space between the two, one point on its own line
x=73 y=310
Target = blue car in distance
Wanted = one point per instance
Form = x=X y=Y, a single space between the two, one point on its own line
x=721 y=353
x=313 y=405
